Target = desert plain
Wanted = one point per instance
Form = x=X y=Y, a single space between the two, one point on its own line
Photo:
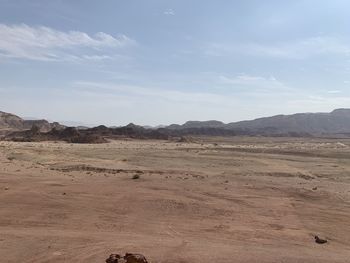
x=211 y=199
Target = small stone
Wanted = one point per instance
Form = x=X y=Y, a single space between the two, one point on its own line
x=320 y=240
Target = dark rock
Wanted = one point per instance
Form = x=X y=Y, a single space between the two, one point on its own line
x=128 y=258
x=70 y=132
x=113 y=258
x=320 y=241
x=134 y=258
x=35 y=130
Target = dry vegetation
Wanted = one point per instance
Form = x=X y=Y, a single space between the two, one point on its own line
x=221 y=200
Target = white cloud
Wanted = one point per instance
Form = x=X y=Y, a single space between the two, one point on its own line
x=169 y=12
x=254 y=82
x=306 y=48
x=297 y=49
x=244 y=79
x=47 y=44
x=333 y=91
x=148 y=93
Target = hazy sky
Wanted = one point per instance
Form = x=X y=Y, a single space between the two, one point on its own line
x=160 y=62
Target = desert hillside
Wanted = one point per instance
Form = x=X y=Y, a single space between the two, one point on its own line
x=10 y=122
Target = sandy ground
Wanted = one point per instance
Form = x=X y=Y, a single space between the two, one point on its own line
x=219 y=200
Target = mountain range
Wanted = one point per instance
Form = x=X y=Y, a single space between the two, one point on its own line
x=335 y=123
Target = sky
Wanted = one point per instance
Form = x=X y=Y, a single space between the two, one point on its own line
x=156 y=62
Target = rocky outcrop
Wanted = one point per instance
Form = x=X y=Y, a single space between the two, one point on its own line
x=128 y=258
x=94 y=135
x=69 y=134
x=11 y=122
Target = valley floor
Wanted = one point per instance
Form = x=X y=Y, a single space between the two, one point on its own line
x=224 y=200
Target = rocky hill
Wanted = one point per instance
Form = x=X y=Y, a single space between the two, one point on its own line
x=98 y=134
x=10 y=122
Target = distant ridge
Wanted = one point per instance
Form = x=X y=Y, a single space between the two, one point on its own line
x=335 y=123
x=198 y=124
x=300 y=124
